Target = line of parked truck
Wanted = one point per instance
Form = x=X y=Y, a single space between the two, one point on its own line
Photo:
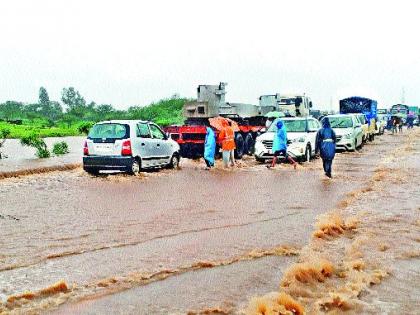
x=132 y=145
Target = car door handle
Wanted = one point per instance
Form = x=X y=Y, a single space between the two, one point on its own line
x=143 y=144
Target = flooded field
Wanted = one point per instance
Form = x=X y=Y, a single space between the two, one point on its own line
x=21 y=158
x=191 y=240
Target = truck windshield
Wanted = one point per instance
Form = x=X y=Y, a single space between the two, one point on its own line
x=341 y=122
x=287 y=101
x=401 y=110
x=291 y=125
x=109 y=131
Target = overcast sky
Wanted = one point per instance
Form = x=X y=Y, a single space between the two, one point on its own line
x=134 y=52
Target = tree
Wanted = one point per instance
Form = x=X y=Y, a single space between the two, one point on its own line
x=54 y=111
x=11 y=110
x=43 y=99
x=104 y=111
x=76 y=104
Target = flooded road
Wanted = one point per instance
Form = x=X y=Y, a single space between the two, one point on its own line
x=125 y=244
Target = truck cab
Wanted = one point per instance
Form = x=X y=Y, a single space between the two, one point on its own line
x=292 y=105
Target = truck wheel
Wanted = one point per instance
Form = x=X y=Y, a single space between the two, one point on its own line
x=248 y=144
x=239 y=142
x=134 y=168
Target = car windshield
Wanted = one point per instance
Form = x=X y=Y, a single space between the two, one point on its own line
x=362 y=119
x=291 y=125
x=108 y=131
x=341 y=122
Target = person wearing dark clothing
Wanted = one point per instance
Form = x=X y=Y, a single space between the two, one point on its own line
x=394 y=125
x=326 y=140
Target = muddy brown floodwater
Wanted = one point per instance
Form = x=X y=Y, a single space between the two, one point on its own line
x=165 y=242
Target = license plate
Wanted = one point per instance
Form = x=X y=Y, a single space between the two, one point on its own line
x=103 y=148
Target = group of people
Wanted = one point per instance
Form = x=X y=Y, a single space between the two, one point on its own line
x=396 y=125
x=227 y=138
x=326 y=140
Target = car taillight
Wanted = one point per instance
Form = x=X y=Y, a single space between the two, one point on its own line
x=126 y=148
x=85 y=149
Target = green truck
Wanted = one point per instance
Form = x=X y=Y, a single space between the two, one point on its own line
x=414 y=111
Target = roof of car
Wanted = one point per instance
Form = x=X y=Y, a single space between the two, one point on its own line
x=122 y=121
x=338 y=115
x=295 y=118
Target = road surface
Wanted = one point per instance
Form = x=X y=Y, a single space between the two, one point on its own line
x=166 y=242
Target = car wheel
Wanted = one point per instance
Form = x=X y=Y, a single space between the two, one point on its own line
x=135 y=167
x=174 y=163
x=307 y=156
x=259 y=160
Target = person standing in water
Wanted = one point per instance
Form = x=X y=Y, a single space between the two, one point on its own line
x=325 y=140
x=209 y=148
x=280 y=144
x=227 y=137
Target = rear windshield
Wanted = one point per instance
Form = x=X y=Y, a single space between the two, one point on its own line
x=341 y=122
x=109 y=131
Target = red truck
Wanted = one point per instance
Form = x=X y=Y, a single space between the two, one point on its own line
x=247 y=119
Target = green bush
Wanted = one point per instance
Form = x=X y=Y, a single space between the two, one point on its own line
x=35 y=141
x=60 y=148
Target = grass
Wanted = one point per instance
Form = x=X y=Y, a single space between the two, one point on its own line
x=24 y=130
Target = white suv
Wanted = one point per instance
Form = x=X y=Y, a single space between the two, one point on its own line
x=301 y=138
x=348 y=131
x=128 y=145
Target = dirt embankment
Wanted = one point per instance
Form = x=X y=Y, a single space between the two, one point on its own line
x=371 y=238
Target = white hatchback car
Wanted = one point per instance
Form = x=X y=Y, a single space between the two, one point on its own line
x=348 y=131
x=301 y=138
x=128 y=145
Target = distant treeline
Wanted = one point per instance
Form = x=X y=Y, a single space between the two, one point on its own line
x=73 y=110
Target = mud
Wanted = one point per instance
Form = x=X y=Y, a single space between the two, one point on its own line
x=120 y=242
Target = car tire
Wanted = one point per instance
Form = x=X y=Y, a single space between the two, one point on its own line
x=308 y=153
x=91 y=171
x=135 y=167
x=259 y=160
x=239 y=143
x=174 y=163
x=248 y=144
x=354 y=146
